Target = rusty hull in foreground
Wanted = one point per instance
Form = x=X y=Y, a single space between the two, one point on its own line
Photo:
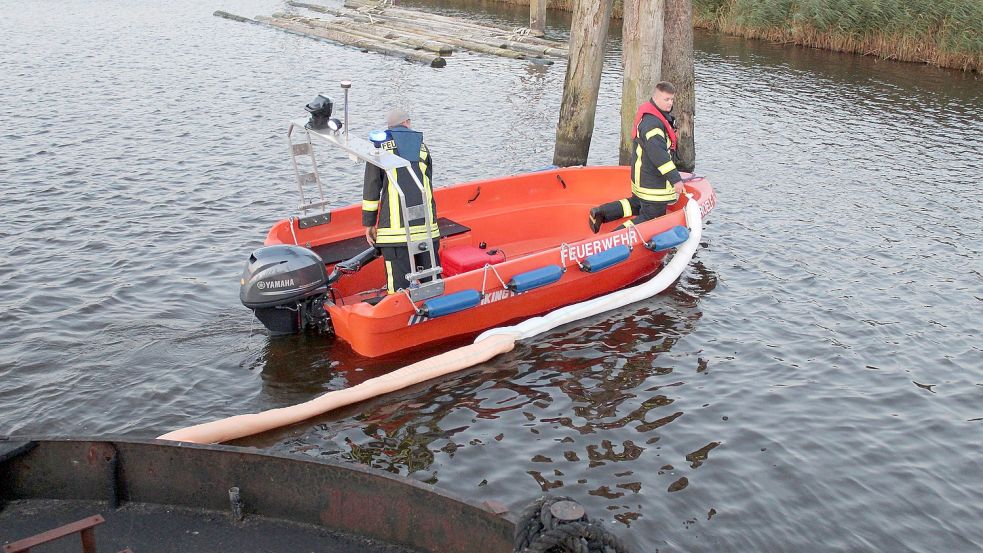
x=158 y=496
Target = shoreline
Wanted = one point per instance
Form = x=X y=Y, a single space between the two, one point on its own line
x=723 y=16
x=880 y=45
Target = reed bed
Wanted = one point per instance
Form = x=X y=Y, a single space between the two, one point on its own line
x=946 y=33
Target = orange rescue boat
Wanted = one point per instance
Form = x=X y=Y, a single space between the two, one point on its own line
x=510 y=248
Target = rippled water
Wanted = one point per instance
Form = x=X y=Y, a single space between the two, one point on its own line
x=814 y=382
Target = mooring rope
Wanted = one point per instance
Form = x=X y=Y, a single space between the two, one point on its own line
x=538 y=530
x=519 y=32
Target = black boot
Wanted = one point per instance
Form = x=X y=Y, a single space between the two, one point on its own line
x=595 y=219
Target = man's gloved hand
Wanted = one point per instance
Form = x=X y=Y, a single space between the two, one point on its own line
x=680 y=190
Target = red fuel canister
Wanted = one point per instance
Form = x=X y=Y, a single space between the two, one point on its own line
x=461 y=259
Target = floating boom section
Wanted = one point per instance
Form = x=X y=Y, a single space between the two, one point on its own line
x=486 y=346
x=247 y=425
x=668 y=275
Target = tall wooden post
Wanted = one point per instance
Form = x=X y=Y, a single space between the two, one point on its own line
x=588 y=33
x=537 y=17
x=642 y=57
x=677 y=67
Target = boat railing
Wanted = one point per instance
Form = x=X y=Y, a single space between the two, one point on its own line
x=359 y=149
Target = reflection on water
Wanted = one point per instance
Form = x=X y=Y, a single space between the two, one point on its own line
x=819 y=360
x=596 y=381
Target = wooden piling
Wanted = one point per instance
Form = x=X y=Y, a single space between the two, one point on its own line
x=677 y=67
x=588 y=33
x=537 y=17
x=642 y=57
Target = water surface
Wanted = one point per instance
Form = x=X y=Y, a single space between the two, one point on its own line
x=812 y=383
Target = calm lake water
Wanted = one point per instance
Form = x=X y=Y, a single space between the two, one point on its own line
x=814 y=382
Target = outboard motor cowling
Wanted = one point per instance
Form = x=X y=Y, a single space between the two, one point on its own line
x=286 y=286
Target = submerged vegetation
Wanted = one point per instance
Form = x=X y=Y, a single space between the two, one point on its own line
x=947 y=33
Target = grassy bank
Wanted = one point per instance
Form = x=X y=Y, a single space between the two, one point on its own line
x=947 y=33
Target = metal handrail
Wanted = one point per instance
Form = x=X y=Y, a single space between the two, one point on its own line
x=363 y=150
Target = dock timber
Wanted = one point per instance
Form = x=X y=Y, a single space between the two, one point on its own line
x=409 y=34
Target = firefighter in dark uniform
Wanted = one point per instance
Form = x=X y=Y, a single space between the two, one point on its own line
x=653 y=168
x=381 y=213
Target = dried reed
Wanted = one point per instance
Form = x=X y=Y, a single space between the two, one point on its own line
x=946 y=33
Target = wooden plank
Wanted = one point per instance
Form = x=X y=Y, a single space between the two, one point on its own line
x=441 y=27
x=454 y=25
x=348 y=40
x=522 y=47
x=83 y=525
x=381 y=34
x=464 y=43
x=418 y=14
x=233 y=17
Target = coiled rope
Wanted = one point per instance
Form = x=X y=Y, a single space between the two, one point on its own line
x=540 y=529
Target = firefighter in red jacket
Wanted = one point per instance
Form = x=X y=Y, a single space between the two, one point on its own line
x=381 y=213
x=653 y=169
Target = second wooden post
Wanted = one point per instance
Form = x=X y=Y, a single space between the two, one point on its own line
x=588 y=33
x=641 y=56
x=677 y=67
x=537 y=17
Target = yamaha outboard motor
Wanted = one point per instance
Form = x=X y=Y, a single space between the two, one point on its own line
x=286 y=286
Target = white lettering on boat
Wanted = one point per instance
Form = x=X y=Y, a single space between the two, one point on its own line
x=497 y=295
x=576 y=252
x=708 y=205
x=490 y=297
x=572 y=254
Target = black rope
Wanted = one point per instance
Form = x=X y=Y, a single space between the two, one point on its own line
x=538 y=531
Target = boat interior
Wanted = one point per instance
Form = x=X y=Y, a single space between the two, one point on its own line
x=518 y=216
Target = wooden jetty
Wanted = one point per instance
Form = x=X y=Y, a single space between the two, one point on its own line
x=409 y=34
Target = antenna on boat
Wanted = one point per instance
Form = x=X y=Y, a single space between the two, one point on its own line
x=345 y=85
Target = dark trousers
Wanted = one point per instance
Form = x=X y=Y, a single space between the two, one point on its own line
x=642 y=209
x=398 y=263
